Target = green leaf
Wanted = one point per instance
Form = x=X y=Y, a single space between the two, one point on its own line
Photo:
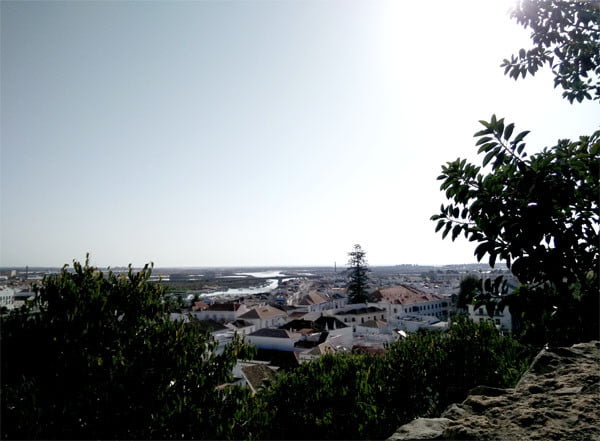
x=488 y=146
x=488 y=158
x=492 y=259
x=481 y=250
x=483 y=140
x=508 y=131
x=447 y=230
x=500 y=127
x=456 y=231
x=439 y=225
x=521 y=136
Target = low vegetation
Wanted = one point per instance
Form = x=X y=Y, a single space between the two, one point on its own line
x=360 y=396
x=96 y=356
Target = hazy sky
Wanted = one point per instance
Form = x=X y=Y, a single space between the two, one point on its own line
x=250 y=132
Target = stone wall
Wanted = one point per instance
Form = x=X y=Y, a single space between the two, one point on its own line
x=558 y=398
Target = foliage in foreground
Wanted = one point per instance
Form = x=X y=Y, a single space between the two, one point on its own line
x=97 y=356
x=359 y=396
x=539 y=213
x=566 y=37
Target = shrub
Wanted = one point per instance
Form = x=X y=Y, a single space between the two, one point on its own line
x=355 y=396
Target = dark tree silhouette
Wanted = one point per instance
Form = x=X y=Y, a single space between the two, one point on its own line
x=539 y=213
x=565 y=36
x=470 y=286
x=358 y=275
x=97 y=356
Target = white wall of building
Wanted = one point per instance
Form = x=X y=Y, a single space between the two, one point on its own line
x=228 y=316
x=280 y=344
x=270 y=322
x=7 y=298
x=355 y=319
x=502 y=319
x=435 y=308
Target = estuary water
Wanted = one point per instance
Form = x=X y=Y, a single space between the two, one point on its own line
x=271 y=285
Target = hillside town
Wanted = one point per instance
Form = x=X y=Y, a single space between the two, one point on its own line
x=304 y=318
x=308 y=314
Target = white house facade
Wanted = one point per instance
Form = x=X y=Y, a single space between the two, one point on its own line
x=502 y=319
x=278 y=339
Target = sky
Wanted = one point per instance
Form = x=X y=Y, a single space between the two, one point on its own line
x=251 y=133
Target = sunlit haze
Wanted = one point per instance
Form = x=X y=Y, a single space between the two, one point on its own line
x=251 y=132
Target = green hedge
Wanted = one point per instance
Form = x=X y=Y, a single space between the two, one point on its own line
x=358 y=396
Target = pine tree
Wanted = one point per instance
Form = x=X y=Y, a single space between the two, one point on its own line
x=358 y=275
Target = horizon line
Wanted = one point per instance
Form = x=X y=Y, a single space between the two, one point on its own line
x=12 y=267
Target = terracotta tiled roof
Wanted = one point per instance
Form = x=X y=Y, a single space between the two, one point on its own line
x=306 y=331
x=256 y=374
x=262 y=312
x=199 y=306
x=322 y=349
x=404 y=295
x=368 y=350
x=224 y=306
x=313 y=298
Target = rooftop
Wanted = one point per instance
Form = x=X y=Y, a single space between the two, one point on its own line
x=231 y=306
x=405 y=295
x=262 y=312
x=313 y=298
x=377 y=324
x=255 y=375
x=319 y=324
x=322 y=349
x=199 y=306
x=240 y=324
x=364 y=310
x=273 y=333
